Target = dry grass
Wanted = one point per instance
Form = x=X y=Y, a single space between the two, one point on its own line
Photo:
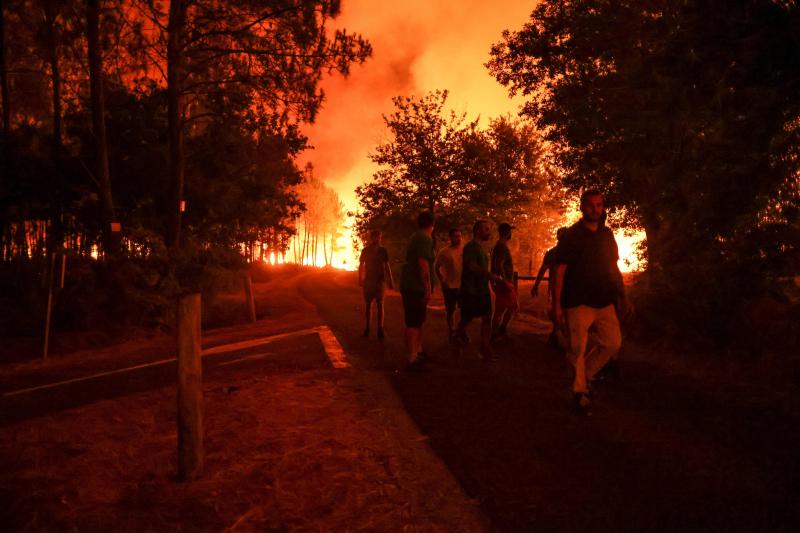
x=315 y=450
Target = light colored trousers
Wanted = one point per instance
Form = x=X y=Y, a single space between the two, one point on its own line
x=595 y=329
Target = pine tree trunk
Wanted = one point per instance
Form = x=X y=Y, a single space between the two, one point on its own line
x=55 y=237
x=110 y=242
x=175 y=30
x=4 y=74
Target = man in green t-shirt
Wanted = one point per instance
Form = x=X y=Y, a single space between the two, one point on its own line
x=416 y=288
x=476 y=301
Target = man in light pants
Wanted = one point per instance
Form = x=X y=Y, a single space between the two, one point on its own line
x=588 y=286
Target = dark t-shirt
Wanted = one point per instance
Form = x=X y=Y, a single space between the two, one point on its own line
x=474 y=282
x=420 y=247
x=374 y=259
x=502 y=264
x=591 y=257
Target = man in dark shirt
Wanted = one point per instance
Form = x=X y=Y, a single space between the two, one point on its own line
x=548 y=265
x=416 y=287
x=374 y=274
x=506 y=301
x=476 y=300
x=588 y=284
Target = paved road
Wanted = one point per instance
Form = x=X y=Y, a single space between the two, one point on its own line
x=661 y=453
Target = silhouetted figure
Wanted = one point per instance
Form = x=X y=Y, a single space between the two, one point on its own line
x=557 y=338
x=416 y=287
x=374 y=274
x=506 y=300
x=448 y=270
x=587 y=285
x=476 y=300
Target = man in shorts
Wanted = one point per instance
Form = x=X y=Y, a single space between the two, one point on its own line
x=448 y=270
x=588 y=285
x=416 y=287
x=506 y=301
x=557 y=338
x=475 y=299
x=374 y=274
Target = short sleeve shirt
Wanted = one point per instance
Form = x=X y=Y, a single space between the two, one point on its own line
x=502 y=263
x=420 y=247
x=474 y=282
x=591 y=257
x=448 y=262
x=374 y=259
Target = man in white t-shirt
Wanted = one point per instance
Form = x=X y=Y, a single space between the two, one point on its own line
x=448 y=270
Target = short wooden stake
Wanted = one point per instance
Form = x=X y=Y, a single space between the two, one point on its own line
x=190 y=389
x=50 y=276
x=248 y=296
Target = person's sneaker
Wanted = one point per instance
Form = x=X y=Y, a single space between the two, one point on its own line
x=366 y=333
x=417 y=365
x=487 y=355
x=583 y=405
x=609 y=372
x=380 y=333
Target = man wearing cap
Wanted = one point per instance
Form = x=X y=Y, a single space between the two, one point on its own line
x=506 y=301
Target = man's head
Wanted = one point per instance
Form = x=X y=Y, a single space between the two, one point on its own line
x=560 y=233
x=504 y=230
x=425 y=221
x=375 y=236
x=455 y=236
x=592 y=205
x=481 y=231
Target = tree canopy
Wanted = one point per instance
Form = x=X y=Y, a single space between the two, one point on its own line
x=686 y=114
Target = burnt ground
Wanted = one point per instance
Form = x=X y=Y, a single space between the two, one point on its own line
x=295 y=444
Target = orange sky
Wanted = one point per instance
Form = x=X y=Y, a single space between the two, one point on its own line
x=419 y=45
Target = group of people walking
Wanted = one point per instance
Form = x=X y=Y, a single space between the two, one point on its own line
x=587 y=293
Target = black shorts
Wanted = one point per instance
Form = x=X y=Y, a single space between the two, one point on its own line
x=475 y=305
x=414 y=308
x=374 y=290
x=450 y=299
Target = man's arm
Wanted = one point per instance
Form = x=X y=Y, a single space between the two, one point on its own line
x=437 y=268
x=558 y=312
x=361 y=272
x=539 y=276
x=425 y=275
x=473 y=266
x=388 y=270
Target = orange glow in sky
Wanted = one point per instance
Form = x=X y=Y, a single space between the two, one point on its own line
x=419 y=46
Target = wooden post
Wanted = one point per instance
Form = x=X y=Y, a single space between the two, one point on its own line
x=190 y=389
x=248 y=296
x=50 y=280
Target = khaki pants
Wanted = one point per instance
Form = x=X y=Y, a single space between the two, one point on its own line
x=595 y=329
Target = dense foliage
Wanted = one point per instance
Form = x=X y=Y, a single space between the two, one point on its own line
x=437 y=160
x=687 y=114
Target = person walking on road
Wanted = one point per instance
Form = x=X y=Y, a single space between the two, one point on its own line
x=448 y=270
x=549 y=266
x=475 y=299
x=374 y=274
x=557 y=338
x=588 y=284
x=416 y=287
x=506 y=300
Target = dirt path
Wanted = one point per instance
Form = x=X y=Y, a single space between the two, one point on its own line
x=661 y=453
